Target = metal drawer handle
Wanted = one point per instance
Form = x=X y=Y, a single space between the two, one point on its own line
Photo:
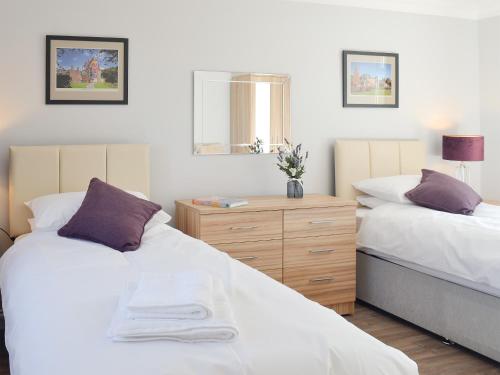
x=325 y=221
x=321 y=251
x=244 y=228
x=327 y=279
x=242 y=259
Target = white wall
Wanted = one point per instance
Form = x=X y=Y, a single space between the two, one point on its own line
x=169 y=39
x=489 y=64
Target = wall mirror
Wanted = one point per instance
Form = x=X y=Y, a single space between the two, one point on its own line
x=240 y=113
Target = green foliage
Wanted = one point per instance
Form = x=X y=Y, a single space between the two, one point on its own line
x=63 y=81
x=105 y=85
x=291 y=161
x=256 y=147
x=110 y=75
x=78 y=85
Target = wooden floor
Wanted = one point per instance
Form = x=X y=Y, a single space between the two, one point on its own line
x=432 y=356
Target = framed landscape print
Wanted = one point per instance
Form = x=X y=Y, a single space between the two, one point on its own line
x=370 y=79
x=86 y=70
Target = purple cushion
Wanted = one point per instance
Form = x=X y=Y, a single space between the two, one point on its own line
x=111 y=217
x=441 y=192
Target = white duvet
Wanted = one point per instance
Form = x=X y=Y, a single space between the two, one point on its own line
x=467 y=247
x=59 y=296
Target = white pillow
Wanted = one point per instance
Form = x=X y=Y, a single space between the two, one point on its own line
x=370 y=202
x=52 y=212
x=391 y=188
x=159 y=218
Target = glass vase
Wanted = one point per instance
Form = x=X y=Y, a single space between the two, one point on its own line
x=294 y=189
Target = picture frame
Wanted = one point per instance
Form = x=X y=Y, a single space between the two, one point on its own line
x=370 y=79
x=86 y=70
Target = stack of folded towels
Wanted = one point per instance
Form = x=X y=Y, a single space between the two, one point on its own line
x=185 y=307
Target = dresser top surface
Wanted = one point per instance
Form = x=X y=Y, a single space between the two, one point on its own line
x=492 y=201
x=274 y=202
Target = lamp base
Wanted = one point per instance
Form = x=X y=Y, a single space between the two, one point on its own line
x=462 y=173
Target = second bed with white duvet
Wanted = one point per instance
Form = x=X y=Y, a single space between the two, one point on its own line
x=457 y=248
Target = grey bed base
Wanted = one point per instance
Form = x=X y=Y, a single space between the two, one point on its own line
x=463 y=315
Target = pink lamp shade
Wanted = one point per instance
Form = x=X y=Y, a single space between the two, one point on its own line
x=463 y=147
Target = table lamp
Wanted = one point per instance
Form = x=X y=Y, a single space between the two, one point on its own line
x=463 y=148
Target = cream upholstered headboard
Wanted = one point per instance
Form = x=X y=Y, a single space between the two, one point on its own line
x=356 y=160
x=40 y=170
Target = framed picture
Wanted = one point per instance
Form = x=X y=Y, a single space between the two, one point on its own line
x=86 y=70
x=370 y=79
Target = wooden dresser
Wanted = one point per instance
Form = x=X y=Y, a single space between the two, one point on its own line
x=308 y=244
x=492 y=201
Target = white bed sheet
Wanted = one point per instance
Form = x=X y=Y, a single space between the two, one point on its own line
x=361 y=212
x=59 y=296
x=461 y=249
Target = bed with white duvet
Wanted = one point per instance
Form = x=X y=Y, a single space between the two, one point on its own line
x=59 y=296
x=457 y=248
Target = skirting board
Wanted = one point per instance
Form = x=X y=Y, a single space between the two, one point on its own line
x=465 y=316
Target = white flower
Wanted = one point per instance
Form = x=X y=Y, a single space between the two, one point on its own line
x=293 y=171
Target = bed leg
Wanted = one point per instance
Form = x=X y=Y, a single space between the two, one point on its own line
x=448 y=342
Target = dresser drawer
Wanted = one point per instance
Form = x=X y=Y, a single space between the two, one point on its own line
x=263 y=255
x=327 y=284
x=319 y=221
x=315 y=251
x=241 y=227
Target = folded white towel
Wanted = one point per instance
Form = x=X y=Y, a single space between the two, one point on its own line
x=221 y=327
x=183 y=295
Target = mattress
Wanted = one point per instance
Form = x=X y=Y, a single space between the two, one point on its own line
x=456 y=248
x=59 y=296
